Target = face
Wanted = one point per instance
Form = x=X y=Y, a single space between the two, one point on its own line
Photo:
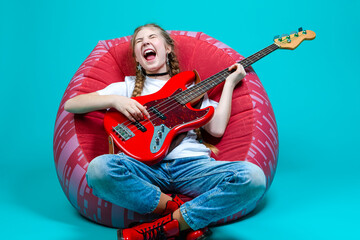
x=151 y=50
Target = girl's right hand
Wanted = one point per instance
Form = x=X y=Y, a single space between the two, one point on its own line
x=132 y=109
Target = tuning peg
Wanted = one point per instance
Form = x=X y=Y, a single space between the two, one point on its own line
x=301 y=30
x=295 y=33
x=287 y=36
x=276 y=37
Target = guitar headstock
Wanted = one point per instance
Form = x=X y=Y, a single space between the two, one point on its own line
x=293 y=40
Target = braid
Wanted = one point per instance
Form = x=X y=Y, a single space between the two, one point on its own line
x=139 y=83
x=173 y=64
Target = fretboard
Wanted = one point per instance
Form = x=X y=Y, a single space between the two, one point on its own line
x=204 y=86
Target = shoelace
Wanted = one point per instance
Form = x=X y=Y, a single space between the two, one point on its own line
x=154 y=232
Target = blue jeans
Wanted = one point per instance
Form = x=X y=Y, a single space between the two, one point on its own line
x=219 y=189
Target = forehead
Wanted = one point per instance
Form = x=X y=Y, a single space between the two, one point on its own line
x=147 y=31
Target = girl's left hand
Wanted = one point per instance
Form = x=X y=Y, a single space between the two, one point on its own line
x=235 y=77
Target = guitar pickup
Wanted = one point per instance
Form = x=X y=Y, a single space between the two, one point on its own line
x=140 y=126
x=123 y=131
x=157 y=112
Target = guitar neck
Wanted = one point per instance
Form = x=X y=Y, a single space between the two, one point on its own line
x=197 y=90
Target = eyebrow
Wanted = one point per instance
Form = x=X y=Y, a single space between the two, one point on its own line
x=143 y=38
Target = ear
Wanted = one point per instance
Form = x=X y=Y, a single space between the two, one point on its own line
x=168 y=49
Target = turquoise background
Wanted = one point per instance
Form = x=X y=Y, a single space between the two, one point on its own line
x=314 y=91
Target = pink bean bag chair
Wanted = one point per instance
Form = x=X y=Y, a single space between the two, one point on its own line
x=251 y=134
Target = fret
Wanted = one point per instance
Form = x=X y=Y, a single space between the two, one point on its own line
x=209 y=83
x=257 y=56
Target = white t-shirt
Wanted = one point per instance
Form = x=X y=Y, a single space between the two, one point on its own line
x=189 y=146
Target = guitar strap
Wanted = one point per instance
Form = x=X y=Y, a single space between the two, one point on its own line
x=111 y=145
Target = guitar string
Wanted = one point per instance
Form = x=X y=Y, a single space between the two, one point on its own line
x=169 y=104
x=198 y=87
x=195 y=89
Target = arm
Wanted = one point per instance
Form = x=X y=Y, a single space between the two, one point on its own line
x=218 y=123
x=94 y=101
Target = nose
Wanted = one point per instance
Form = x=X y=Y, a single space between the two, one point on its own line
x=146 y=42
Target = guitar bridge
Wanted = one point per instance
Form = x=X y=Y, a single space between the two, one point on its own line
x=123 y=132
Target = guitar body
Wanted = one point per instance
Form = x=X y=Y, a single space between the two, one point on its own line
x=149 y=140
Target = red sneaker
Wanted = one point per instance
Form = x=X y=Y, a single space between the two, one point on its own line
x=174 y=204
x=200 y=234
x=161 y=229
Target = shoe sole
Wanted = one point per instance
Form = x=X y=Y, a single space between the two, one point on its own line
x=205 y=235
x=120 y=235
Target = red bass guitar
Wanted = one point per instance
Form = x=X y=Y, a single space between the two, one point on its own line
x=170 y=108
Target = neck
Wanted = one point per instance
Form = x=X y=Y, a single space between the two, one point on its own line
x=207 y=84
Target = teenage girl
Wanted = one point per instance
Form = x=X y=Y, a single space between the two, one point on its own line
x=218 y=188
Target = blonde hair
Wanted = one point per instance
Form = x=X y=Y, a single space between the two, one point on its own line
x=173 y=68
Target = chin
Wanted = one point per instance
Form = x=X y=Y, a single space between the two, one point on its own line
x=154 y=70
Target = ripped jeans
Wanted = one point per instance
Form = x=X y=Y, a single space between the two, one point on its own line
x=219 y=189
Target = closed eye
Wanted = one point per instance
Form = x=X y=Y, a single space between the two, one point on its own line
x=138 y=40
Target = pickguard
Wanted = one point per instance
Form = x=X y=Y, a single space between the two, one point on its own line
x=166 y=115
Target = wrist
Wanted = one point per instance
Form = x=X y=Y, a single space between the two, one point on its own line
x=229 y=84
x=113 y=101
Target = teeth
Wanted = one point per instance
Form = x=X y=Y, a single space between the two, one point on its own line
x=148 y=51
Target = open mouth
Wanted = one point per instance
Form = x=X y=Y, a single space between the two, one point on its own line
x=149 y=54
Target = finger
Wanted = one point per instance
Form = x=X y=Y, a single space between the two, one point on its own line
x=233 y=67
x=143 y=110
x=146 y=113
x=129 y=116
x=242 y=69
x=135 y=112
x=125 y=111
